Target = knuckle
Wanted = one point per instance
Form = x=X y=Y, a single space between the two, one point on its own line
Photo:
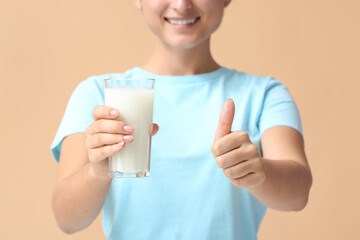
x=113 y=126
x=96 y=126
x=220 y=161
x=228 y=173
x=239 y=183
x=253 y=148
x=100 y=111
x=243 y=134
x=241 y=169
x=215 y=148
x=238 y=133
x=96 y=111
x=90 y=129
x=100 y=138
x=246 y=137
x=102 y=152
x=101 y=124
x=87 y=130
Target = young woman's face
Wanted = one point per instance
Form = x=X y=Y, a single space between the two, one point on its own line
x=182 y=23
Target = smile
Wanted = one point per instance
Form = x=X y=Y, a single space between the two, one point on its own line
x=182 y=22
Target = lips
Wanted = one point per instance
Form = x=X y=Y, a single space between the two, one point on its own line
x=182 y=21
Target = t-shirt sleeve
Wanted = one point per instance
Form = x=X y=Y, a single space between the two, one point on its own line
x=78 y=113
x=279 y=108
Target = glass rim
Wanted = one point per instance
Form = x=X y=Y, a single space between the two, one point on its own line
x=126 y=79
x=112 y=82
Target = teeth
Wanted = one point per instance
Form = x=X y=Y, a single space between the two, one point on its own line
x=182 y=22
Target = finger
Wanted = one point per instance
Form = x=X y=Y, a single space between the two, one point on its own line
x=229 y=142
x=225 y=120
x=249 y=180
x=105 y=112
x=101 y=153
x=240 y=170
x=155 y=129
x=109 y=126
x=102 y=139
x=236 y=156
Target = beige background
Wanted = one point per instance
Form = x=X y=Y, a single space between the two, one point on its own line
x=48 y=47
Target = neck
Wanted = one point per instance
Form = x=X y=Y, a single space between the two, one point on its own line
x=167 y=60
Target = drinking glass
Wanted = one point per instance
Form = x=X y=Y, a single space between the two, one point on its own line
x=134 y=99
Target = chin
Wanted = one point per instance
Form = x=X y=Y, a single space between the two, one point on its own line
x=186 y=44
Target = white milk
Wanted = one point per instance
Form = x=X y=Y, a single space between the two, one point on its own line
x=136 y=109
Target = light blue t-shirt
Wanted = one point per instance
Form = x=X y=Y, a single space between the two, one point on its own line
x=187 y=195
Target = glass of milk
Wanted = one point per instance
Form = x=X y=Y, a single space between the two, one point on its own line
x=134 y=99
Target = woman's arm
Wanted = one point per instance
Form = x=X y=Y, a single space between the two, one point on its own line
x=288 y=176
x=281 y=179
x=79 y=193
x=83 y=177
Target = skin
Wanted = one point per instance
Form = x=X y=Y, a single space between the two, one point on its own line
x=83 y=180
x=281 y=179
x=183 y=52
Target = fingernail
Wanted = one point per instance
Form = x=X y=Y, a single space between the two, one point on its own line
x=120 y=144
x=128 y=138
x=114 y=113
x=128 y=128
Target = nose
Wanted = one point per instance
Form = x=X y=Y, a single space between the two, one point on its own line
x=182 y=6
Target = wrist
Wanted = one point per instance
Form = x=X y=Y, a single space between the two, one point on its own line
x=102 y=177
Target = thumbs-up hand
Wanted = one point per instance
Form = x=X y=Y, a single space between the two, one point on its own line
x=235 y=153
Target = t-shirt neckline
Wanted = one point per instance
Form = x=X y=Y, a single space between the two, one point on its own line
x=181 y=79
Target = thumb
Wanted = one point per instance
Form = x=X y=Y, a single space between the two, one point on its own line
x=226 y=119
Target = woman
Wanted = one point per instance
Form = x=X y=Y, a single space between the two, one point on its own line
x=209 y=179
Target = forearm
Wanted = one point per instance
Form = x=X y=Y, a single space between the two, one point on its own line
x=286 y=186
x=78 y=199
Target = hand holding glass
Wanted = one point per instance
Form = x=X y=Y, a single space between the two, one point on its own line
x=134 y=99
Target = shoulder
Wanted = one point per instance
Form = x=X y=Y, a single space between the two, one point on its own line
x=247 y=77
x=250 y=82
